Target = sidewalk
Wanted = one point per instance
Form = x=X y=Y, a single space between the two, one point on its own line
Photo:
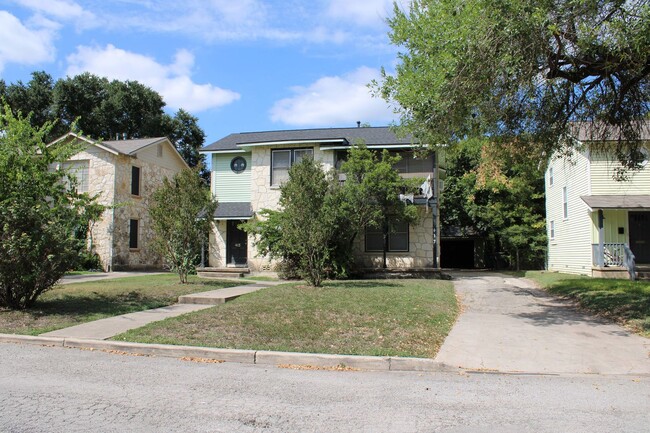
x=106 y=328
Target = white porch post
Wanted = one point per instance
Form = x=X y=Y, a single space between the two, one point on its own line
x=601 y=239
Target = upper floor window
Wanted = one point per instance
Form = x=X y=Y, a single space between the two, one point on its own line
x=282 y=160
x=78 y=170
x=550 y=176
x=135 y=180
x=565 y=203
x=410 y=163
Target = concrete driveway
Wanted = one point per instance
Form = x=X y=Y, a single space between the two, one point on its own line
x=509 y=325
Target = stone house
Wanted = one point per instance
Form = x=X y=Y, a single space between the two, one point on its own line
x=596 y=224
x=248 y=168
x=123 y=174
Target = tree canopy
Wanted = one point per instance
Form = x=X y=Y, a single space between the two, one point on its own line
x=103 y=109
x=498 y=193
x=522 y=68
x=176 y=210
x=43 y=220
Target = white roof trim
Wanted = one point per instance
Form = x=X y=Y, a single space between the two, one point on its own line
x=208 y=152
x=378 y=146
x=87 y=140
x=287 y=142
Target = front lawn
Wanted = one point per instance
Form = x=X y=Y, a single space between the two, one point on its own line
x=368 y=317
x=72 y=304
x=625 y=301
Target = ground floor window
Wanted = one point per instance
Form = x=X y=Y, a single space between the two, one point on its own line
x=133 y=234
x=398 y=238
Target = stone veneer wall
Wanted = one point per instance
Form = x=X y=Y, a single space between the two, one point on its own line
x=136 y=207
x=419 y=255
x=101 y=182
x=217 y=255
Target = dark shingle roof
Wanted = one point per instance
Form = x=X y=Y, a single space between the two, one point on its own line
x=377 y=136
x=241 y=210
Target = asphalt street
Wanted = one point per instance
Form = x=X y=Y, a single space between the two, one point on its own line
x=50 y=389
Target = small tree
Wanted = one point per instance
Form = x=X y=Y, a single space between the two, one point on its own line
x=371 y=192
x=40 y=215
x=305 y=232
x=181 y=211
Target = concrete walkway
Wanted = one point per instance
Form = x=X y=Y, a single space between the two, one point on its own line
x=111 y=326
x=509 y=325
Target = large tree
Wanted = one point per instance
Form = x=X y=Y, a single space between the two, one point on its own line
x=104 y=109
x=497 y=192
x=522 y=68
x=43 y=220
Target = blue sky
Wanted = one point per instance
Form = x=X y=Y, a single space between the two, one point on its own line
x=238 y=65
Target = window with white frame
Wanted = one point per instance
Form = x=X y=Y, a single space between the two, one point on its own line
x=398 y=238
x=77 y=170
x=565 y=203
x=283 y=159
x=552 y=230
x=550 y=176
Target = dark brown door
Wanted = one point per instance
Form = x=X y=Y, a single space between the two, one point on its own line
x=236 y=244
x=640 y=236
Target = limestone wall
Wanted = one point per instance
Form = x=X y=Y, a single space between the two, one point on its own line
x=101 y=182
x=419 y=255
x=217 y=255
x=136 y=207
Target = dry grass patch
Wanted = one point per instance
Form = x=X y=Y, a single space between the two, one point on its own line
x=368 y=317
x=72 y=304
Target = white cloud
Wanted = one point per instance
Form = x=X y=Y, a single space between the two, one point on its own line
x=25 y=45
x=367 y=12
x=62 y=10
x=338 y=100
x=172 y=81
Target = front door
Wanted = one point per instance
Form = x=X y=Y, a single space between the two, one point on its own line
x=640 y=236
x=236 y=245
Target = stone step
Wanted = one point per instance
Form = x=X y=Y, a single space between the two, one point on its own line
x=222 y=272
x=217 y=275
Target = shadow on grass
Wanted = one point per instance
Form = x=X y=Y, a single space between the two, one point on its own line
x=357 y=284
x=95 y=304
x=618 y=300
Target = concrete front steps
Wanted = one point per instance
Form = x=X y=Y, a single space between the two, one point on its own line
x=222 y=272
x=643 y=272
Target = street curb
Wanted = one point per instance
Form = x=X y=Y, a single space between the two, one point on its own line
x=259 y=357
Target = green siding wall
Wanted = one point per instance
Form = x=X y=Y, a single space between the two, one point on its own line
x=227 y=186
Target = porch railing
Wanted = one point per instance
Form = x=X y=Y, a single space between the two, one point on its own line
x=614 y=254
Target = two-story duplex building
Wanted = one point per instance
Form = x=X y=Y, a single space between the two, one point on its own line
x=248 y=169
x=593 y=219
x=123 y=174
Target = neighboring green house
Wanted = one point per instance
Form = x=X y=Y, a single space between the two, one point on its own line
x=248 y=168
x=123 y=174
x=594 y=221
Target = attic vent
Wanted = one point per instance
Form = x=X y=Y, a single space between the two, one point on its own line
x=160 y=150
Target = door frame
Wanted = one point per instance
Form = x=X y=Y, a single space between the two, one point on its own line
x=232 y=231
x=645 y=235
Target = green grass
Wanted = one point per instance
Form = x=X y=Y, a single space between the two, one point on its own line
x=369 y=317
x=625 y=301
x=72 y=304
x=83 y=273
